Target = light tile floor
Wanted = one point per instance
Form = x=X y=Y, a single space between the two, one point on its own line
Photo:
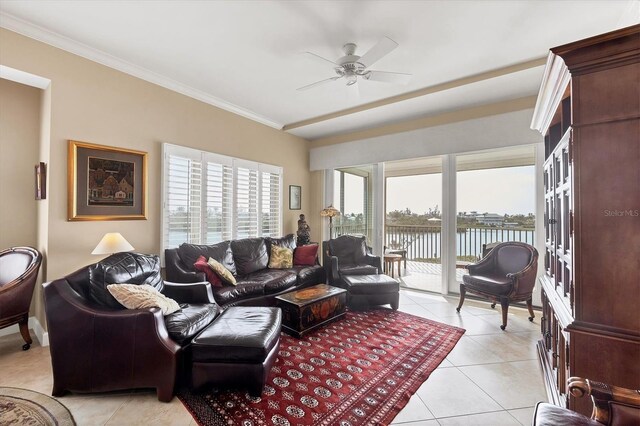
x=491 y=377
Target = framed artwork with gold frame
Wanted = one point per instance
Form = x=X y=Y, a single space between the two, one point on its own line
x=106 y=183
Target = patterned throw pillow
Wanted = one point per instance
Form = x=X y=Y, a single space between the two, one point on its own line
x=281 y=258
x=201 y=265
x=305 y=255
x=133 y=296
x=224 y=274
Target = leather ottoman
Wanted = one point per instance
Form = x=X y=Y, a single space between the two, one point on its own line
x=369 y=290
x=237 y=349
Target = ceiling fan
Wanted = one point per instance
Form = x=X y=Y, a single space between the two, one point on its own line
x=352 y=67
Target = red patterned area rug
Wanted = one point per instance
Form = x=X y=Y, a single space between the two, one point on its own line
x=360 y=370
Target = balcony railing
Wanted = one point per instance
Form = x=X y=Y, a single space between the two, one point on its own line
x=424 y=242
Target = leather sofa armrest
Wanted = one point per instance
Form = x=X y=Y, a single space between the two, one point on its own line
x=374 y=261
x=176 y=270
x=189 y=292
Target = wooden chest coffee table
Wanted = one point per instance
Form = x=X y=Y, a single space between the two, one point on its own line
x=311 y=308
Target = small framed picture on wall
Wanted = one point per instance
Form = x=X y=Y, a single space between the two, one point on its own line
x=295 y=197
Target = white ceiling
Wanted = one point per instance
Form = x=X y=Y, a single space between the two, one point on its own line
x=245 y=56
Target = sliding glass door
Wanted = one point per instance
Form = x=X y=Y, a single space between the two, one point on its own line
x=413 y=220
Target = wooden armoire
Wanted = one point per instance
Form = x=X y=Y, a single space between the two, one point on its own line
x=588 y=110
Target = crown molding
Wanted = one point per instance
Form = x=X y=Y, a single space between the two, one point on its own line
x=36 y=32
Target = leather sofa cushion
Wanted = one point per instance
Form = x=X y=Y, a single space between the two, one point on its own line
x=308 y=275
x=498 y=285
x=349 y=249
x=512 y=259
x=250 y=255
x=357 y=269
x=240 y=334
x=371 y=284
x=189 y=320
x=189 y=254
x=273 y=280
x=123 y=268
x=288 y=241
x=551 y=415
x=242 y=290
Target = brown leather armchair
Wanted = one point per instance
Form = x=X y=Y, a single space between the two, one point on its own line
x=507 y=274
x=612 y=406
x=97 y=345
x=19 y=268
x=348 y=255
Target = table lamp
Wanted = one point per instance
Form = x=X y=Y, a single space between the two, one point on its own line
x=330 y=212
x=112 y=242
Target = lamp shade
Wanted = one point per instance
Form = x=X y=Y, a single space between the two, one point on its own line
x=112 y=242
x=330 y=212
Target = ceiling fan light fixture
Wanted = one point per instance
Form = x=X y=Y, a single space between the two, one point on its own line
x=351 y=79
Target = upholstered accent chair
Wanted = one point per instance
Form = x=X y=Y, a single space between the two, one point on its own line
x=97 y=345
x=19 y=268
x=348 y=255
x=612 y=406
x=506 y=274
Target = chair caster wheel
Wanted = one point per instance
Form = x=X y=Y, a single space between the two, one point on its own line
x=493 y=306
x=502 y=327
x=458 y=310
x=26 y=347
x=531 y=319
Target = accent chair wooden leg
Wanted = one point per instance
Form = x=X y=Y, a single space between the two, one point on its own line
x=504 y=303
x=24 y=330
x=530 y=308
x=463 y=292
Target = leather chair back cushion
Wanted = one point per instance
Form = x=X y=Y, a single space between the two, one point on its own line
x=622 y=414
x=512 y=259
x=12 y=265
x=123 y=268
x=250 y=255
x=189 y=254
x=349 y=249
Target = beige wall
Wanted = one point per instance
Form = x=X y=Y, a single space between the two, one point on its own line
x=19 y=141
x=94 y=103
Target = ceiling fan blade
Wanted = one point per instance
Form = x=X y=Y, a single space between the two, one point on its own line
x=318 y=57
x=376 y=53
x=388 y=77
x=319 y=83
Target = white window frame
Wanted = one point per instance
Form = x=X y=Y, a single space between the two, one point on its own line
x=208 y=157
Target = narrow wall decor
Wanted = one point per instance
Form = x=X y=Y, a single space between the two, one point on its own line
x=41 y=181
x=295 y=197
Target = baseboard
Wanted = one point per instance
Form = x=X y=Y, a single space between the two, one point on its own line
x=40 y=334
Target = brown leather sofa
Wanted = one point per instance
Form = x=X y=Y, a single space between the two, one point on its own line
x=348 y=255
x=97 y=345
x=507 y=274
x=247 y=260
x=19 y=268
x=612 y=406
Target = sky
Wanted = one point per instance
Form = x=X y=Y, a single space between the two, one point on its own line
x=502 y=191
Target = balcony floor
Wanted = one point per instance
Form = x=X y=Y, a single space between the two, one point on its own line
x=425 y=276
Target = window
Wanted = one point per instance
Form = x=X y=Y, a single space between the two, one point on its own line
x=210 y=198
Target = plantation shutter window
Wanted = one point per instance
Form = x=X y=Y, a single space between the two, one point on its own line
x=208 y=198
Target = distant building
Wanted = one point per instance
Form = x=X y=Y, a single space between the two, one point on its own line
x=490 y=219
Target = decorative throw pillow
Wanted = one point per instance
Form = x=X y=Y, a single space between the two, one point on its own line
x=201 y=265
x=281 y=258
x=133 y=296
x=305 y=255
x=224 y=274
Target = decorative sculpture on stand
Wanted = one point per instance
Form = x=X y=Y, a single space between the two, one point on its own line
x=303 y=232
